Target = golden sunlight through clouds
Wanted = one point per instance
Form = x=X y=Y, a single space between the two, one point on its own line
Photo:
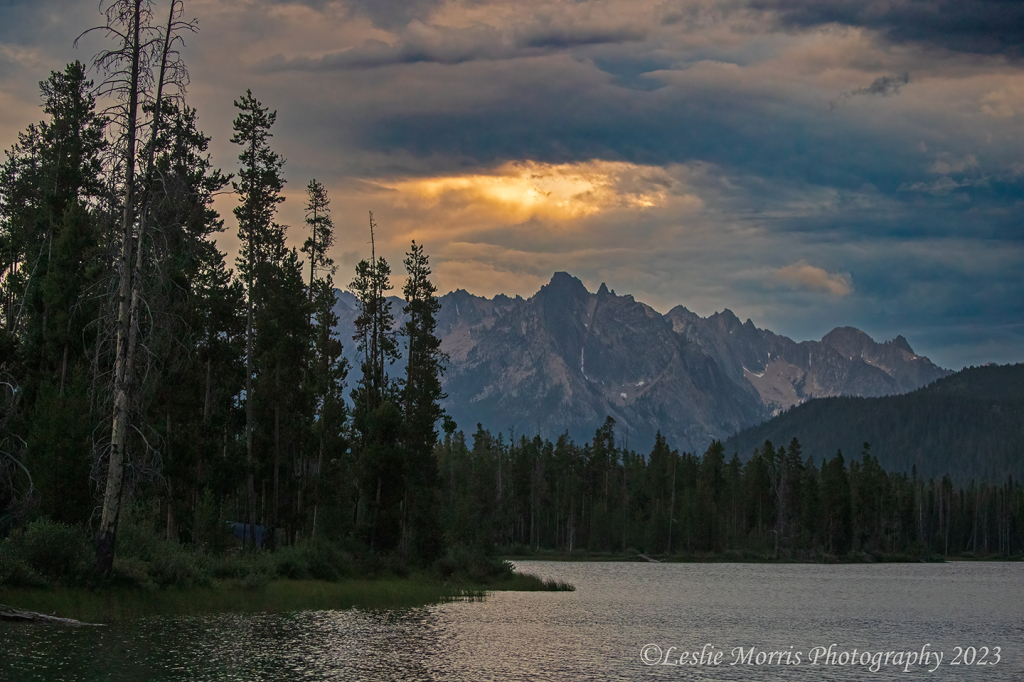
x=522 y=190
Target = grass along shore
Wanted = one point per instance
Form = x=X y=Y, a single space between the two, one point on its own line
x=108 y=604
x=49 y=568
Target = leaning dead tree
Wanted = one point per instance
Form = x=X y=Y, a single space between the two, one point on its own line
x=140 y=73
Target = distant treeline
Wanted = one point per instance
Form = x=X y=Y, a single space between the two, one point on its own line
x=969 y=425
x=524 y=495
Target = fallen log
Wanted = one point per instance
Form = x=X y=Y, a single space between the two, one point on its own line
x=9 y=613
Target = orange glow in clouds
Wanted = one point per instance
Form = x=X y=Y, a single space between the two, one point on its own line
x=522 y=190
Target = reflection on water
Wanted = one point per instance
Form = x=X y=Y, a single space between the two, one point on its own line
x=596 y=632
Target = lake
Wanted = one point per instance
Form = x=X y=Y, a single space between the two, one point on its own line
x=626 y=621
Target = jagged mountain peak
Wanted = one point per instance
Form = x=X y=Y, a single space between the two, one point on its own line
x=784 y=373
x=563 y=281
x=902 y=344
x=726 y=320
x=849 y=341
x=565 y=358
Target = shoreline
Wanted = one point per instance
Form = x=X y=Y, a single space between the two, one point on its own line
x=111 y=604
x=746 y=557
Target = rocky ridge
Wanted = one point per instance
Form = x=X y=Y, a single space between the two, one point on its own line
x=565 y=358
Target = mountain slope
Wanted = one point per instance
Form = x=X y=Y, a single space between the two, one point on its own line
x=969 y=425
x=784 y=373
x=566 y=358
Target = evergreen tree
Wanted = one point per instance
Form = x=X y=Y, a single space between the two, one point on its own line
x=712 y=479
x=375 y=332
x=835 y=512
x=328 y=372
x=328 y=368
x=283 y=401
x=376 y=419
x=321 y=232
x=195 y=308
x=50 y=236
x=259 y=187
x=421 y=398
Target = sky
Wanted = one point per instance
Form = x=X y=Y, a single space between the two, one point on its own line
x=805 y=163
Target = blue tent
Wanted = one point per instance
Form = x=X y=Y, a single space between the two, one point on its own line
x=246 y=533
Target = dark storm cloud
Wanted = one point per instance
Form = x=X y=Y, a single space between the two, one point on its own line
x=551 y=123
x=884 y=86
x=945 y=292
x=36 y=22
x=385 y=14
x=391 y=14
x=985 y=27
x=573 y=36
x=315 y=4
x=420 y=42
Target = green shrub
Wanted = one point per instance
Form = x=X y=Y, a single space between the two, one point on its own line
x=209 y=529
x=255 y=581
x=291 y=562
x=445 y=567
x=519 y=549
x=136 y=532
x=57 y=551
x=130 y=572
x=175 y=565
x=396 y=566
x=474 y=566
x=328 y=561
x=15 y=571
x=232 y=565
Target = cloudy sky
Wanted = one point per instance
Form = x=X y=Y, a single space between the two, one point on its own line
x=804 y=163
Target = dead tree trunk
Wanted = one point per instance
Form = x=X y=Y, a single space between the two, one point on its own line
x=122 y=369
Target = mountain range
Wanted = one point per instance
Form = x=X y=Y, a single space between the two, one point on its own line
x=565 y=358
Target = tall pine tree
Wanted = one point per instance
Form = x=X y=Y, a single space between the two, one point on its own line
x=259 y=187
x=421 y=401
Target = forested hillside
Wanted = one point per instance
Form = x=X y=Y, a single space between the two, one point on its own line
x=969 y=425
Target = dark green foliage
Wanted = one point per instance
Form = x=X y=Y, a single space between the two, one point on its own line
x=321 y=231
x=49 y=237
x=462 y=564
x=15 y=570
x=394 y=422
x=54 y=550
x=421 y=398
x=186 y=454
x=209 y=527
x=223 y=393
x=969 y=425
x=602 y=498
